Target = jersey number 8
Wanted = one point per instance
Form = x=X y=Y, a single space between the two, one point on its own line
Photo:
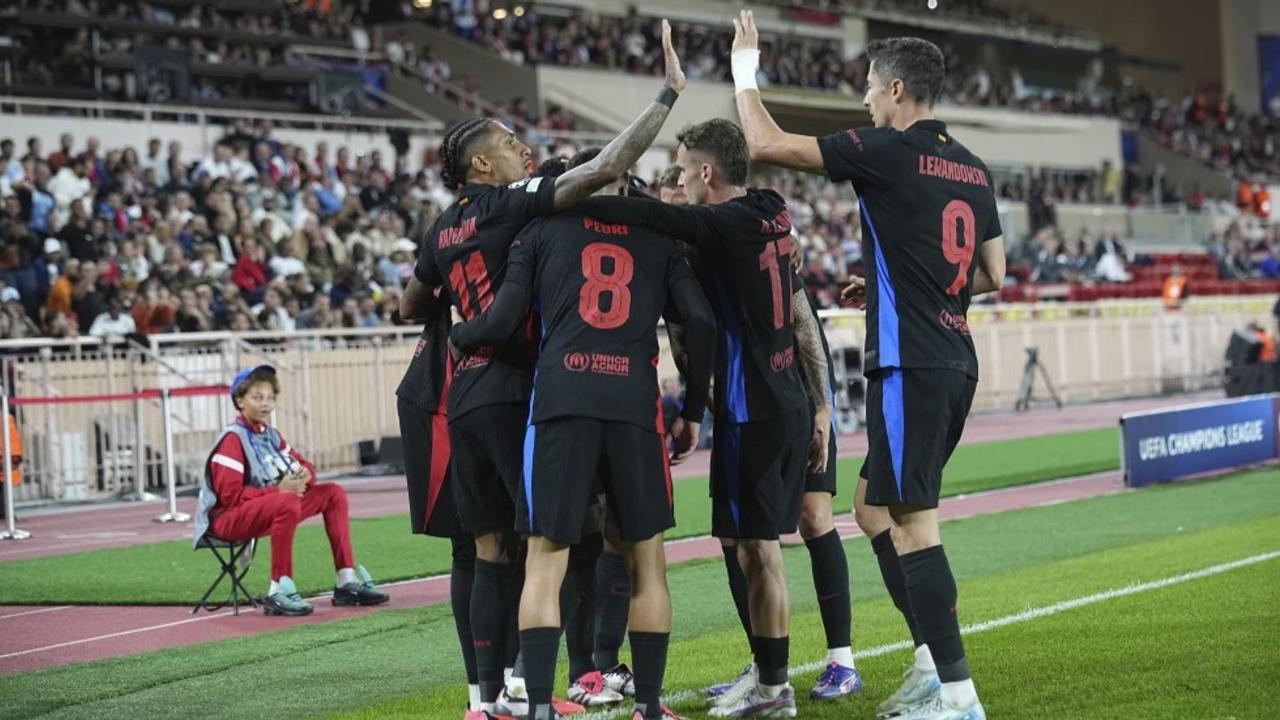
x=598 y=282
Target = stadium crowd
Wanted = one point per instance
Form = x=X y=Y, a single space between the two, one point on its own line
x=1214 y=130
x=259 y=235
x=268 y=235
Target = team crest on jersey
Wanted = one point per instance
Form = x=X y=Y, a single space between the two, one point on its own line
x=529 y=184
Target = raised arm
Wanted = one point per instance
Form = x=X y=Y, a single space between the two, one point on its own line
x=623 y=151
x=813 y=358
x=989 y=275
x=767 y=142
x=692 y=224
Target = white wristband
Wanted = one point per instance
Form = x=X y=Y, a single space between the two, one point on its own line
x=744 y=64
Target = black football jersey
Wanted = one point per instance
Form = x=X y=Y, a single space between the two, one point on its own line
x=426 y=382
x=601 y=288
x=927 y=204
x=744 y=246
x=466 y=252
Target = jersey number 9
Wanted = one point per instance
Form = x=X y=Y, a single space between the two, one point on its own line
x=957 y=219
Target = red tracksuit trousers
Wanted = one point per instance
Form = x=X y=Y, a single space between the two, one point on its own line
x=278 y=515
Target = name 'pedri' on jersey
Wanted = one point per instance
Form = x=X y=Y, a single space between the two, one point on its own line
x=927 y=204
x=466 y=252
x=745 y=248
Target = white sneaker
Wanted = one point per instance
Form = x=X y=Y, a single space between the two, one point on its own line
x=917 y=687
x=590 y=690
x=730 y=692
x=753 y=703
x=620 y=680
x=513 y=701
x=935 y=708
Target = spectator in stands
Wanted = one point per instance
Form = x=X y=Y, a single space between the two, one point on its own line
x=1175 y=294
x=1270 y=265
x=62 y=155
x=256 y=485
x=1235 y=265
x=1266 y=343
x=272 y=305
x=113 y=322
x=15 y=322
x=88 y=300
x=76 y=237
x=1040 y=207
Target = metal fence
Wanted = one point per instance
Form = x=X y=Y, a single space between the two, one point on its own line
x=91 y=415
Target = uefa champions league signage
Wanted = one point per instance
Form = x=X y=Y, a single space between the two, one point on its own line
x=1164 y=445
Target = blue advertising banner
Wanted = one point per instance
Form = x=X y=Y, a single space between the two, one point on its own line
x=1164 y=445
x=1269 y=71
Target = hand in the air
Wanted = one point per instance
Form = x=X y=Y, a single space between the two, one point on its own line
x=745 y=35
x=675 y=74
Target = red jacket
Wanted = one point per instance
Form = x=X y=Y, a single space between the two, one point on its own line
x=228 y=468
x=248 y=275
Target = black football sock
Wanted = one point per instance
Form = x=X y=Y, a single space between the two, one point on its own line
x=771 y=659
x=580 y=582
x=613 y=605
x=490 y=620
x=738 y=588
x=649 y=655
x=831 y=582
x=462 y=576
x=894 y=582
x=515 y=586
x=933 y=599
x=539 y=647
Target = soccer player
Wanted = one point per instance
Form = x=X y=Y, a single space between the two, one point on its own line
x=613 y=584
x=763 y=429
x=829 y=566
x=596 y=412
x=932 y=234
x=465 y=251
x=424 y=426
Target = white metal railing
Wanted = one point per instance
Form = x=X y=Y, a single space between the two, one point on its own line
x=102 y=420
x=202 y=115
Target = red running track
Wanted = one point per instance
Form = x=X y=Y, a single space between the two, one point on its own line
x=57 y=531
x=39 y=637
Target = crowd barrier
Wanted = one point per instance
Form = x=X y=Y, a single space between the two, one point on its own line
x=124 y=460
x=92 y=414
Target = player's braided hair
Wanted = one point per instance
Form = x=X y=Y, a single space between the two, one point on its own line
x=455 y=157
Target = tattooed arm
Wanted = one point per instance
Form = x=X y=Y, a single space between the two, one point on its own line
x=813 y=358
x=623 y=151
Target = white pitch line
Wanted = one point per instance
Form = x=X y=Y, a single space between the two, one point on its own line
x=35 y=612
x=108 y=636
x=1031 y=614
